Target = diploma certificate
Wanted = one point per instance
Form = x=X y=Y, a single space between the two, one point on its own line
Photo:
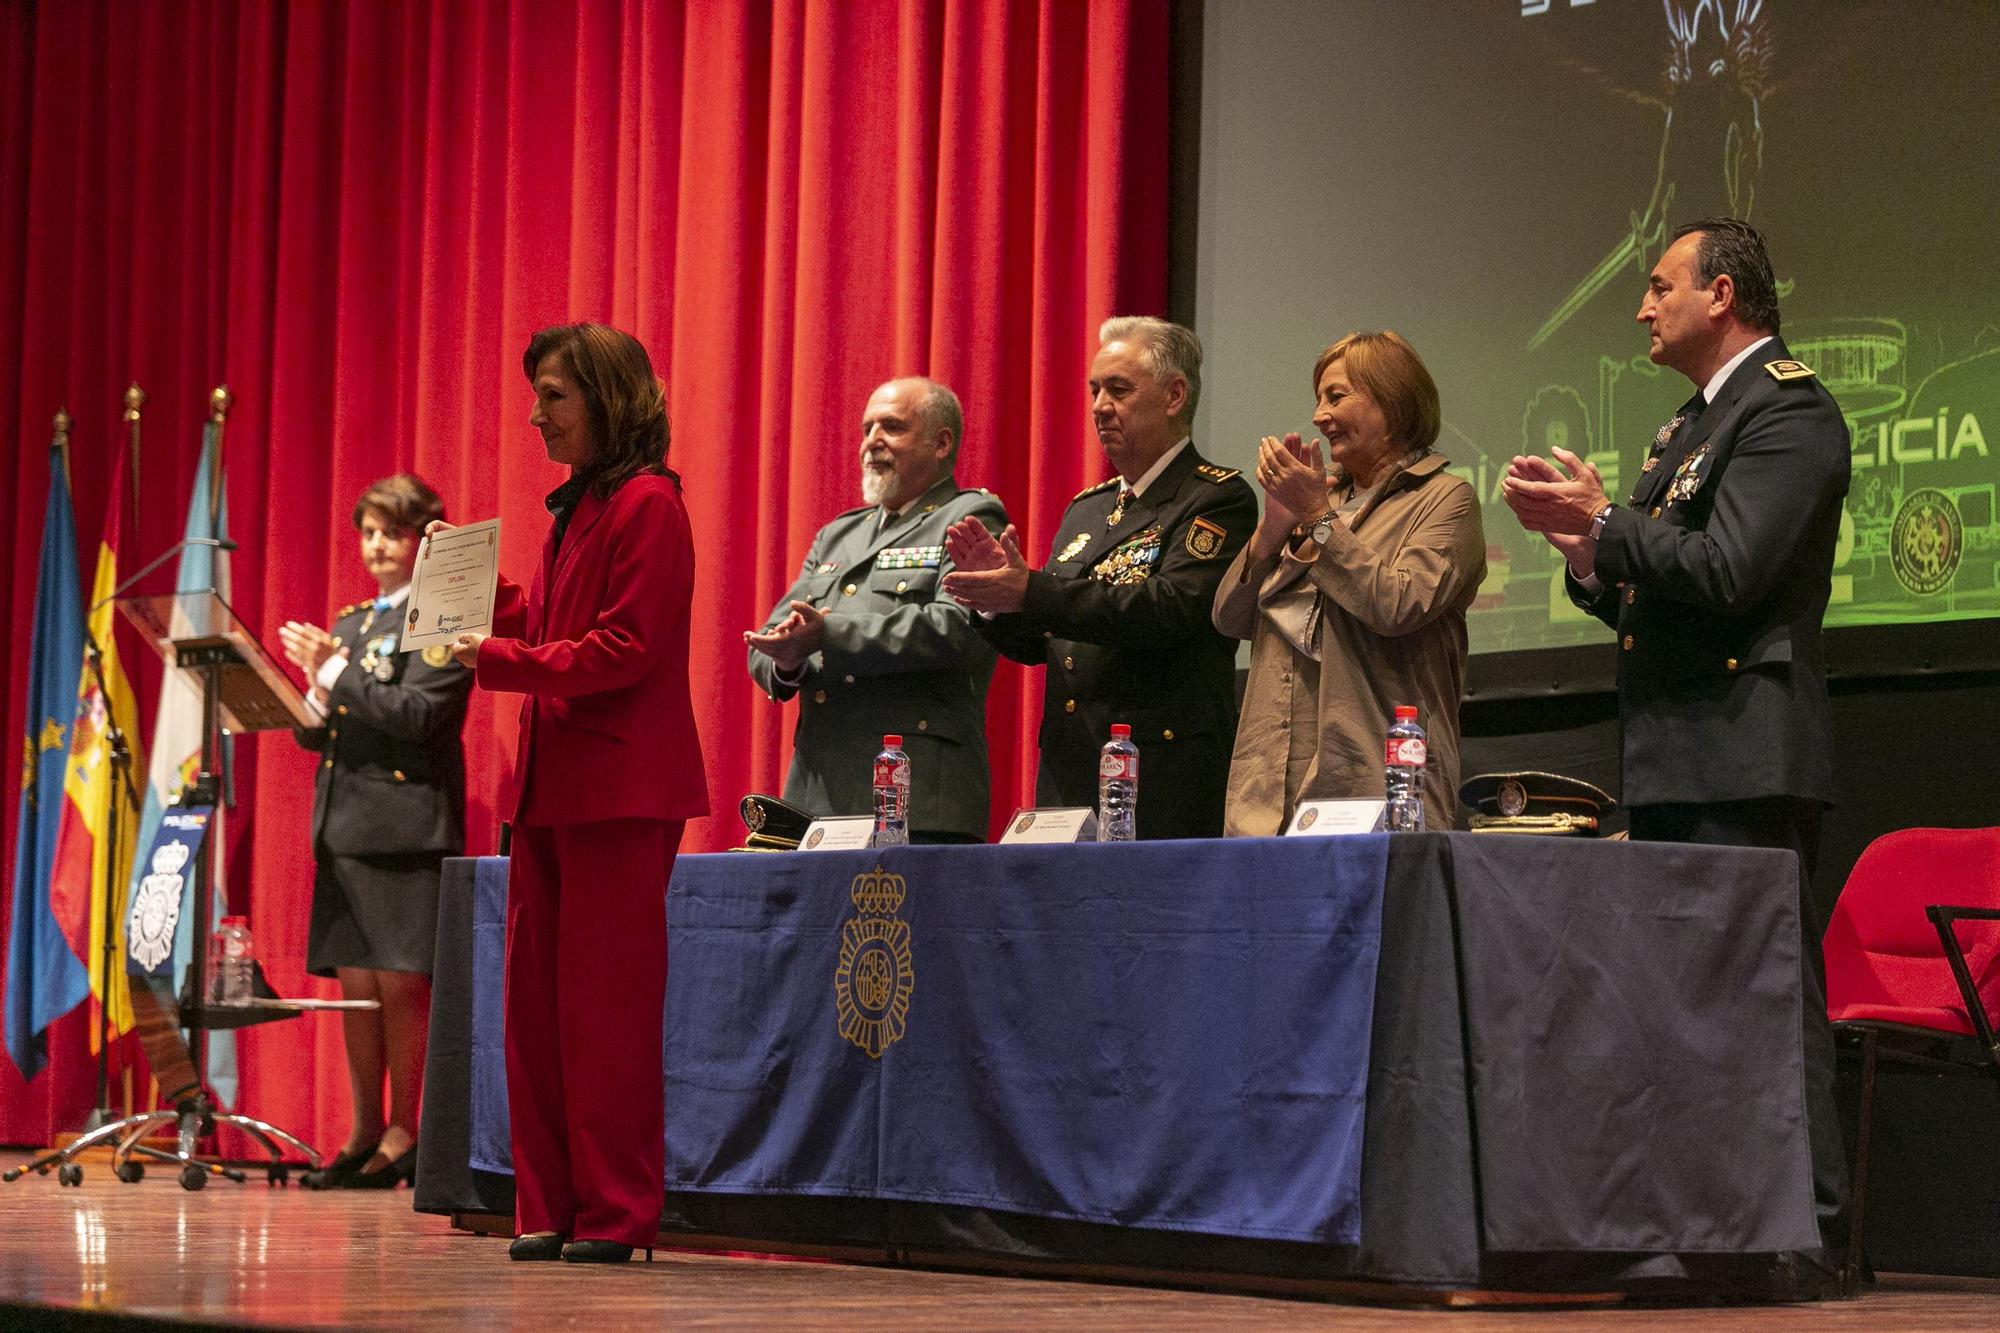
x=451 y=592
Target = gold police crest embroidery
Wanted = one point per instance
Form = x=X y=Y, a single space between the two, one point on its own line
x=875 y=977
x=1204 y=539
x=1075 y=548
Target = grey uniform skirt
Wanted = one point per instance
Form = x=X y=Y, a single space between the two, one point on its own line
x=377 y=912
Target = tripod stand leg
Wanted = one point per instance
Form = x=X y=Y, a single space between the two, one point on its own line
x=265 y=1133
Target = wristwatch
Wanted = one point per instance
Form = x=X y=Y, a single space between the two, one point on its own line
x=1597 y=522
x=1321 y=528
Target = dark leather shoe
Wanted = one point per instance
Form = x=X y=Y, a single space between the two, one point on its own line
x=337 y=1173
x=536 y=1245
x=1805 y=1275
x=598 y=1252
x=389 y=1174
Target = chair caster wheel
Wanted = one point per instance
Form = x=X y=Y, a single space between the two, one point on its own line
x=131 y=1172
x=69 y=1173
x=278 y=1174
x=193 y=1176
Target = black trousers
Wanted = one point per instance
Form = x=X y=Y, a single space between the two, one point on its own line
x=1793 y=825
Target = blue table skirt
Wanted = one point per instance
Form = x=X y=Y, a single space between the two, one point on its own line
x=1160 y=1035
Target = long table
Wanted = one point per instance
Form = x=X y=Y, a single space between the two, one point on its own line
x=1432 y=1059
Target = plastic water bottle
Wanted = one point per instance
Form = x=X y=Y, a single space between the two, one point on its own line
x=1118 y=787
x=1404 y=763
x=892 y=795
x=231 y=962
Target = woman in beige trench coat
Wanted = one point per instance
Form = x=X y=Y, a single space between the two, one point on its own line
x=1353 y=593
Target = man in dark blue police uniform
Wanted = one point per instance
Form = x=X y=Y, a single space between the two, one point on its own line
x=1715 y=576
x=1121 y=615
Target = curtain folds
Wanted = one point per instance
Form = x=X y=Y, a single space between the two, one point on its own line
x=355 y=214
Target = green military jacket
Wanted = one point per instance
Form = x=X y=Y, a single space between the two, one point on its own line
x=899 y=656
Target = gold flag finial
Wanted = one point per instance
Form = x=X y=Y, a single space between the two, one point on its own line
x=135 y=398
x=62 y=426
x=219 y=403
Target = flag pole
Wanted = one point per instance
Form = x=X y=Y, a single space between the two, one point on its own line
x=62 y=444
x=135 y=398
x=219 y=403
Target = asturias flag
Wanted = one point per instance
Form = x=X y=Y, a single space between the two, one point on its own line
x=96 y=804
x=44 y=979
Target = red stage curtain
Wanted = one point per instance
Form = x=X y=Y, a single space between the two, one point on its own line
x=355 y=215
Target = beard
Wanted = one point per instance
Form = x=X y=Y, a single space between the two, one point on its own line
x=875 y=484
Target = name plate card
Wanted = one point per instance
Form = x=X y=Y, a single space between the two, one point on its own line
x=1061 y=824
x=1325 y=819
x=843 y=834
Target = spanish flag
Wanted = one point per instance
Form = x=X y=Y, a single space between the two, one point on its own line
x=97 y=803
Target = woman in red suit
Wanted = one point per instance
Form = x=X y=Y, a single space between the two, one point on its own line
x=609 y=771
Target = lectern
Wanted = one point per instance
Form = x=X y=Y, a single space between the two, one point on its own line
x=206 y=647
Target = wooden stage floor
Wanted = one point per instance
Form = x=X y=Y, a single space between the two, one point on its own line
x=251 y=1255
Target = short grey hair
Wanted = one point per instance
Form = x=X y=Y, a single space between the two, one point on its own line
x=1168 y=350
x=942 y=411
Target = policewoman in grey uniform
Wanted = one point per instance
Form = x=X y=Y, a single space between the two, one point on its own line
x=388 y=807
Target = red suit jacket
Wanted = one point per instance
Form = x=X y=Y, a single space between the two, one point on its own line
x=600 y=647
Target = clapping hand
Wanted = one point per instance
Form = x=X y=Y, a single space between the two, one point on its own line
x=989 y=572
x=792 y=640
x=306 y=645
x=1556 y=503
x=1551 y=500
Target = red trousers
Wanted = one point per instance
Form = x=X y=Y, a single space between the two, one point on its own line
x=586 y=990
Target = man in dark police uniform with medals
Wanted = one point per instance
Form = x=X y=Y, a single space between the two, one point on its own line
x=1715 y=576
x=1121 y=615
x=869 y=642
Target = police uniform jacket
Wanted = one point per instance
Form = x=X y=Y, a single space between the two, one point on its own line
x=1716 y=576
x=1120 y=616
x=898 y=657
x=391 y=779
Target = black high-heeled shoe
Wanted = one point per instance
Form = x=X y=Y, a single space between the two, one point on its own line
x=536 y=1245
x=600 y=1252
x=389 y=1175
x=340 y=1171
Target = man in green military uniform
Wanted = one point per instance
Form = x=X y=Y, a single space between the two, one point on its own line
x=870 y=644
x=1120 y=616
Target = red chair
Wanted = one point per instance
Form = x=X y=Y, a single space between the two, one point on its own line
x=1901 y=982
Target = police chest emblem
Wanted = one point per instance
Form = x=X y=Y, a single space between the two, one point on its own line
x=1075 y=547
x=1130 y=561
x=874 y=979
x=156 y=908
x=1204 y=539
x=1687 y=477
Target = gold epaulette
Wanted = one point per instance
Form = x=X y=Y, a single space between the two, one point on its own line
x=1092 y=490
x=352 y=607
x=1788 y=370
x=1210 y=472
